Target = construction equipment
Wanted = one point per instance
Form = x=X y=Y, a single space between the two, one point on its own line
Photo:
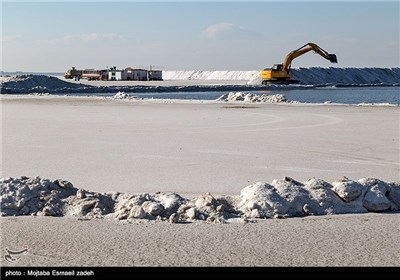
x=89 y=74
x=73 y=73
x=280 y=73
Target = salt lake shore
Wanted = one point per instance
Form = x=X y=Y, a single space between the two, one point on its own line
x=197 y=81
x=338 y=240
x=195 y=181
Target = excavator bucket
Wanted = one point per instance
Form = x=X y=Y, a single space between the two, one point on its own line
x=332 y=58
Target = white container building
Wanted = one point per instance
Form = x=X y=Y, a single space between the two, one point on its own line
x=116 y=75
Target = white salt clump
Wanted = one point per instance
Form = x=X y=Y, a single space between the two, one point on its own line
x=124 y=203
x=279 y=199
x=152 y=208
x=347 y=189
x=170 y=201
x=137 y=212
x=232 y=96
x=294 y=196
x=147 y=205
x=203 y=207
x=288 y=198
x=123 y=95
x=282 y=197
x=34 y=195
x=251 y=97
x=325 y=201
x=375 y=199
x=191 y=213
x=259 y=200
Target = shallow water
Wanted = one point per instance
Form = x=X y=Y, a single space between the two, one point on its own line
x=345 y=95
x=352 y=95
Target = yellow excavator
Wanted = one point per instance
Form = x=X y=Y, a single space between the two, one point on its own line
x=280 y=73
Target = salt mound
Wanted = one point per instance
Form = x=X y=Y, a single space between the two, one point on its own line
x=251 y=97
x=281 y=198
x=210 y=75
x=306 y=76
x=321 y=76
x=39 y=84
x=347 y=76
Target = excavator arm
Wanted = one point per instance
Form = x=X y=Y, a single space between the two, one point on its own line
x=305 y=49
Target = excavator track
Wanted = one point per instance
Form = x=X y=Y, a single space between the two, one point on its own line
x=279 y=82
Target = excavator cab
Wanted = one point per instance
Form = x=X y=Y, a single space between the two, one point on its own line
x=276 y=67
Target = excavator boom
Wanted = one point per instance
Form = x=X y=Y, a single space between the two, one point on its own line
x=305 y=49
x=280 y=73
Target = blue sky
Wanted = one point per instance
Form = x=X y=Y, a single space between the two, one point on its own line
x=52 y=36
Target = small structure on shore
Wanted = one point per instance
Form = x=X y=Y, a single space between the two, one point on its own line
x=91 y=74
x=114 y=74
x=154 y=75
x=136 y=74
